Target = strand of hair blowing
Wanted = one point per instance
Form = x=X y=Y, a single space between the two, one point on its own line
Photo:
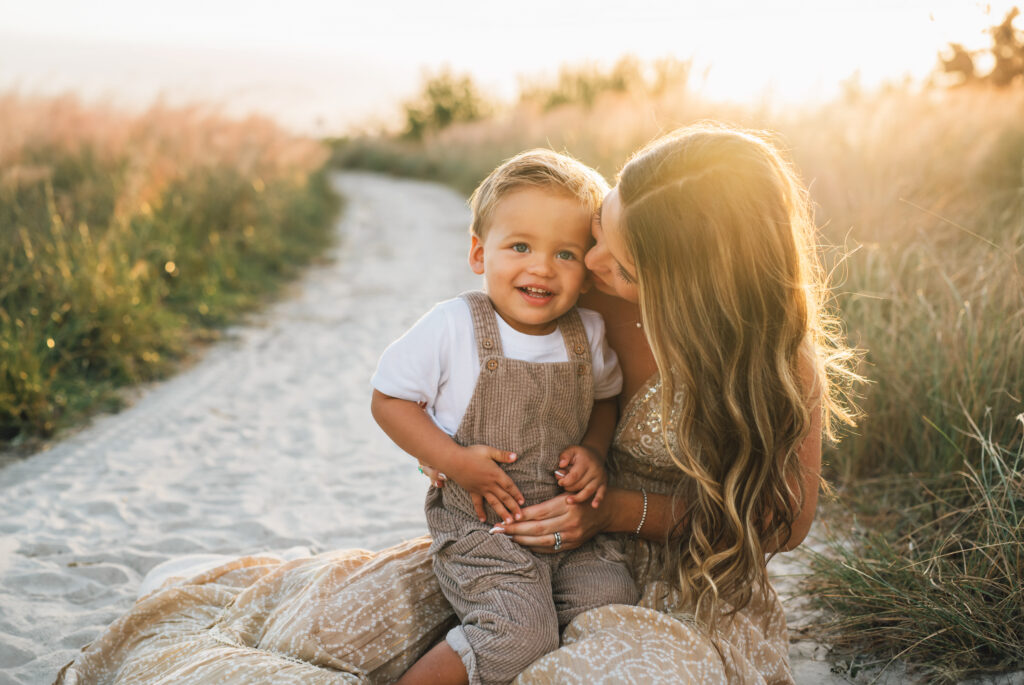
x=730 y=294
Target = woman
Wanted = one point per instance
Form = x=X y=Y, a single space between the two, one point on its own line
x=712 y=300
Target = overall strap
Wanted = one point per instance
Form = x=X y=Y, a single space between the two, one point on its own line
x=575 y=336
x=485 y=324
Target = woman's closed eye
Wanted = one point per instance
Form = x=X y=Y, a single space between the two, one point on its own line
x=624 y=275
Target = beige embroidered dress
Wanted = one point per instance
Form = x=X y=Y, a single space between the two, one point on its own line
x=365 y=617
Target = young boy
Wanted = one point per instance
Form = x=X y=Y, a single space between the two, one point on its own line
x=510 y=377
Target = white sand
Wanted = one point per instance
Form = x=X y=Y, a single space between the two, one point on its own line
x=266 y=444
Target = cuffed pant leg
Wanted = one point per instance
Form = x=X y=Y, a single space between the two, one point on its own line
x=502 y=594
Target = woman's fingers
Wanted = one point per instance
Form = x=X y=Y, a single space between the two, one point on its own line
x=538 y=544
x=530 y=528
x=556 y=506
x=544 y=544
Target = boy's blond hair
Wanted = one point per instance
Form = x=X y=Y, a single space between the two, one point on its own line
x=538 y=168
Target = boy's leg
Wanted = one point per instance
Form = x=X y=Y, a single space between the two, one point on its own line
x=591 y=576
x=502 y=593
x=441 y=665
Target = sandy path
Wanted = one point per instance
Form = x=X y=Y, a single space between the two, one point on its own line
x=266 y=444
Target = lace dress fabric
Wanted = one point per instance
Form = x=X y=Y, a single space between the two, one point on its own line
x=365 y=617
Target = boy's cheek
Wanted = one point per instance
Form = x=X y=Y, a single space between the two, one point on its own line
x=588 y=281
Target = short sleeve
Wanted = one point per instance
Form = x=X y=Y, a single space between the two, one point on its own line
x=607 y=374
x=412 y=367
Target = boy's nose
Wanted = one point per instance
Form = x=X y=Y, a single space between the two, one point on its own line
x=542 y=265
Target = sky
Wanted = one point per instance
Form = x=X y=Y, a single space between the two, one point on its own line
x=324 y=66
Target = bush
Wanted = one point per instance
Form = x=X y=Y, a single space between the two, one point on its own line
x=124 y=239
x=446 y=99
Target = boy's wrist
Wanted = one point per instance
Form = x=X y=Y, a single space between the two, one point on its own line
x=600 y=451
x=450 y=459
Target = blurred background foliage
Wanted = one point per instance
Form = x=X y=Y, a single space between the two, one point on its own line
x=129 y=238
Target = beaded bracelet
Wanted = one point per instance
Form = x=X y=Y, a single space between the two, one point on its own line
x=643 y=516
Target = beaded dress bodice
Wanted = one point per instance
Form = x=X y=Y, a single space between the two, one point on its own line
x=640 y=457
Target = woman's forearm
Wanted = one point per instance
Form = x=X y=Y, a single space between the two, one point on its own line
x=626 y=512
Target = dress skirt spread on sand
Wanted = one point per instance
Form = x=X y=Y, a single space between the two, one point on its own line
x=365 y=617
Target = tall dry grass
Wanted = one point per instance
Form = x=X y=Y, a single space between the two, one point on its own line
x=920 y=199
x=122 y=237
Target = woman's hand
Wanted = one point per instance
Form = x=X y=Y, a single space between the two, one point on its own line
x=574 y=523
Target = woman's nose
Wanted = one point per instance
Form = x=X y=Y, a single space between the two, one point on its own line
x=594 y=257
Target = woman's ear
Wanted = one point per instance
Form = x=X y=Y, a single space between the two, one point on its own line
x=476 y=255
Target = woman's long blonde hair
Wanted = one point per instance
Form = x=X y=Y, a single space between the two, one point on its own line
x=732 y=299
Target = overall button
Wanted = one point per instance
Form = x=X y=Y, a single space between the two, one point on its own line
x=581 y=369
x=487 y=343
x=579 y=349
x=492 y=364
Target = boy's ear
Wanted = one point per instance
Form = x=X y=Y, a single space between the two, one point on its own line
x=476 y=256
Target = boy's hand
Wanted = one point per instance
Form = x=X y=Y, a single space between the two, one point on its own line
x=478 y=472
x=586 y=476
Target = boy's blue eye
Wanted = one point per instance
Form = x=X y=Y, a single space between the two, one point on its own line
x=566 y=254
x=520 y=247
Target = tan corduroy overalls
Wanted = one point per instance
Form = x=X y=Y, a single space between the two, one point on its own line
x=511 y=602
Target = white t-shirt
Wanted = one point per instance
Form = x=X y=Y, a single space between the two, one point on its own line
x=436 y=361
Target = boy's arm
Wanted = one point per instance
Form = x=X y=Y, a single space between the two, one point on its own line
x=472 y=467
x=601 y=428
x=587 y=478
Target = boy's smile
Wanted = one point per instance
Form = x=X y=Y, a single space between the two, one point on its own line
x=531 y=257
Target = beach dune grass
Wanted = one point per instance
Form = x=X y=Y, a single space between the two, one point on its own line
x=935 y=577
x=128 y=237
x=919 y=193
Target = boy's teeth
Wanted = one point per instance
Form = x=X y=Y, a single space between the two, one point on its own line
x=536 y=291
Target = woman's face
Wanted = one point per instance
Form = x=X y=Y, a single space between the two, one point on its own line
x=608 y=260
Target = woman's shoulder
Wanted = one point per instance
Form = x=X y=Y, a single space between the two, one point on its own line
x=810 y=369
